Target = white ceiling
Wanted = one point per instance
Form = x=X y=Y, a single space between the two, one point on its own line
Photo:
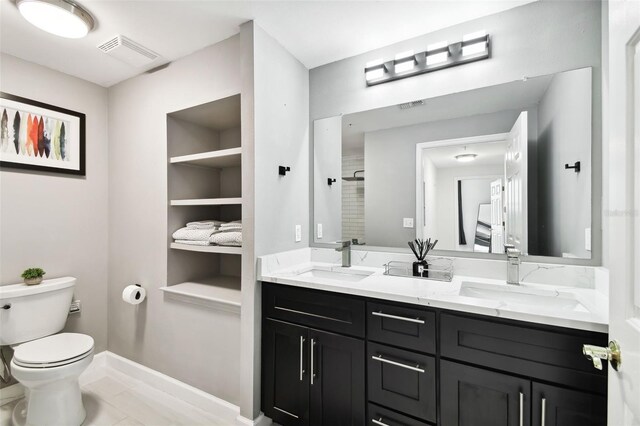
x=316 y=32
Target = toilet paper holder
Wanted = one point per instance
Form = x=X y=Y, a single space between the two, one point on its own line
x=134 y=294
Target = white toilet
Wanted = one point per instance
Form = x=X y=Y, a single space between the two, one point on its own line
x=47 y=364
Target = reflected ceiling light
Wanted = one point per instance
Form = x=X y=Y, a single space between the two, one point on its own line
x=465 y=158
x=63 y=18
x=473 y=47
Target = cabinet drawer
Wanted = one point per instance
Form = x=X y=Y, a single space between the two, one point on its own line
x=403 y=380
x=317 y=309
x=380 y=416
x=551 y=354
x=407 y=327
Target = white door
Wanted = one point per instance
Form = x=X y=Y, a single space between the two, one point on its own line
x=497 y=226
x=515 y=170
x=622 y=213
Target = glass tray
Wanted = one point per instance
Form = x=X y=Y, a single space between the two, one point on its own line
x=438 y=268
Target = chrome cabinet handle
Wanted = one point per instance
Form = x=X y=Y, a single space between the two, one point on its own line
x=395 y=317
x=397 y=364
x=301 y=357
x=543 y=411
x=378 y=422
x=521 y=409
x=313 y=373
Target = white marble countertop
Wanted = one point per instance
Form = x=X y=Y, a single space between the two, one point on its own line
x=558 y=305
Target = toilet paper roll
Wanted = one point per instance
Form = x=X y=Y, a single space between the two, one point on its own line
x=133 y=294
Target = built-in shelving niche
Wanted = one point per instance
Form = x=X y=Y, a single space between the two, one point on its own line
x=204 y=182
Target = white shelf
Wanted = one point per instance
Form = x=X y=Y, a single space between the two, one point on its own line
x=215 y=159
x=207 y=249
x=207 y=202
x=220 y=293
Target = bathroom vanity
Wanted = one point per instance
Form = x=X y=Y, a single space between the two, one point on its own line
x=352 y=347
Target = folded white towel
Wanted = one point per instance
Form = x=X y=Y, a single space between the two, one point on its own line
x=193 y=234
x=232 y=225
x=204 y=224
x=193 y=243
x=230 y=238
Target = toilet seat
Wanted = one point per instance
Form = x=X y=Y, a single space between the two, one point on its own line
x=53 y=351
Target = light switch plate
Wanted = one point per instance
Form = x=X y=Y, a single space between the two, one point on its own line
x=298 y=233
x=587 y=239
x=407 y=222
x=319 y=230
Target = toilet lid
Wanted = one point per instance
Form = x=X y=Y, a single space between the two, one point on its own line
x=53 y=349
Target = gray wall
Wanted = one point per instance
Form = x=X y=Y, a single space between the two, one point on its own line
x=565 y=196
x=55 y=221
x=159 y=332
x=390 y=171
x=275 y=132
x=327 y=162
x=535 y=39
x=281 y=106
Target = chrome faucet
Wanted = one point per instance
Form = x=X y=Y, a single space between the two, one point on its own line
x=513 y=264
x=345 y=248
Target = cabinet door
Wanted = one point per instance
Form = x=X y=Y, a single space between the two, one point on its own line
x=553 y=406
x=285 y=377
x=337 y=379
x=476 y=397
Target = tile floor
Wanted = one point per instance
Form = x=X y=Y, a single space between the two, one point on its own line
x=111 y=399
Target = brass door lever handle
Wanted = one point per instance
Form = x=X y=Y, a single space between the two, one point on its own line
x=597 y=353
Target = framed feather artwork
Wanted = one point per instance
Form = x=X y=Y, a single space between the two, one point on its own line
x=41 y=137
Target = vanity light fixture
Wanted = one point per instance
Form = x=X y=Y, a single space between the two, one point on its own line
x=473 y=47
x=63 y=18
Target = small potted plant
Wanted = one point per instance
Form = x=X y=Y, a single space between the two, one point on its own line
x=33 y=276
x=421 y=248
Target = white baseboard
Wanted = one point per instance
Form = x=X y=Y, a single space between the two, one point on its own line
x=187 y=393
x=261 y=420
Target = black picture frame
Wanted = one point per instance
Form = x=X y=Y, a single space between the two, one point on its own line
x=80 y=170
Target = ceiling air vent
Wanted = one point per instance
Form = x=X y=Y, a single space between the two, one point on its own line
x=128 y=51
x=411 y=104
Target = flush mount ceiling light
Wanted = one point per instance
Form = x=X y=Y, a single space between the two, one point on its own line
x=465 y=158
x=473 y=47
x=63 y=18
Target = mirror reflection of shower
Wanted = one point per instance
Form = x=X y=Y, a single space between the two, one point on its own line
x=353 y=198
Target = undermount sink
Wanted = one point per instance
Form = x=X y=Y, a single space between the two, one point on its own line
x=518 y=296
x=341 y=274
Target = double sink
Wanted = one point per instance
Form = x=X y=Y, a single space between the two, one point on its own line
x=508 y=296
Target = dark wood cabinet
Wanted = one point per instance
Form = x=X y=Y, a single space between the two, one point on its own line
x=337 y=379
x=555 y=406
x=286 y=380
x=472 y=396
x=310 y=376
x=340 y=360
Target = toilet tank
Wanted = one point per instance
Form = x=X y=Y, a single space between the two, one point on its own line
x=32 y=312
